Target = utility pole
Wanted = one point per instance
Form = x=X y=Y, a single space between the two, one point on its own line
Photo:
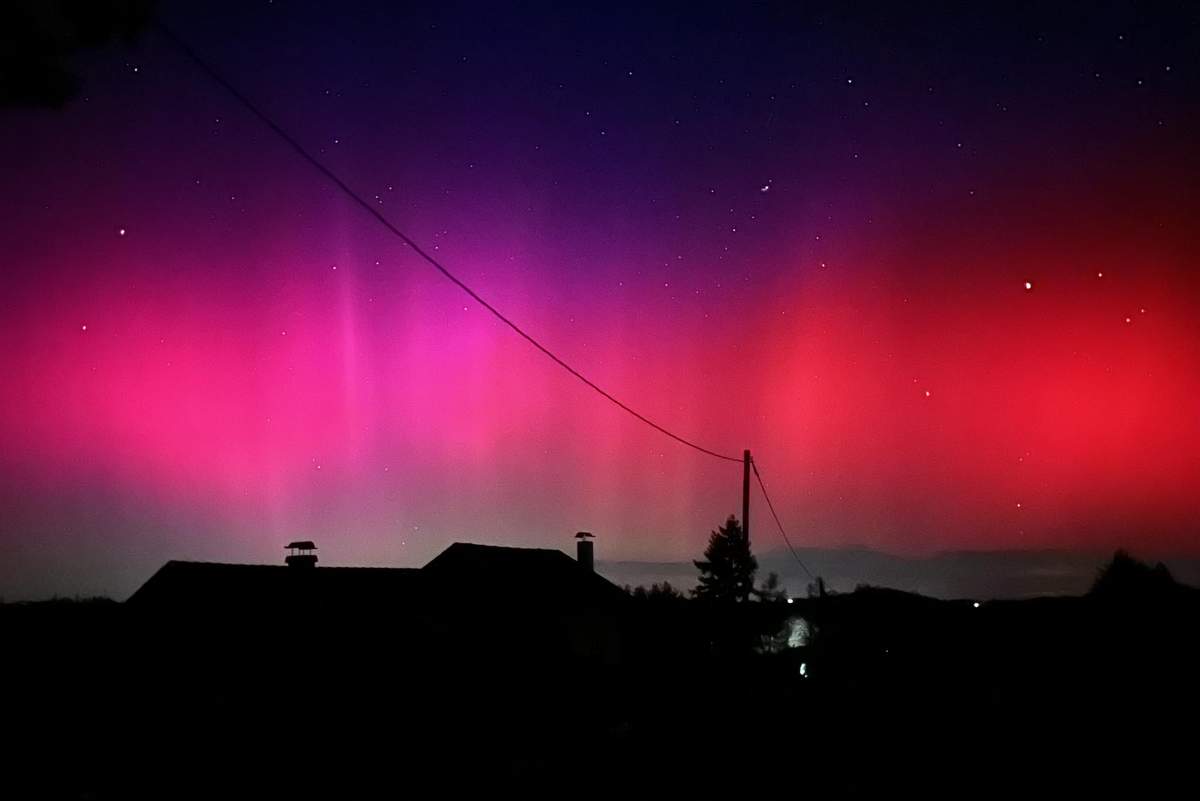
x=746 y=494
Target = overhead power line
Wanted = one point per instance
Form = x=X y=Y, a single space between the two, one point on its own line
x=771 y=506
x=350 y=193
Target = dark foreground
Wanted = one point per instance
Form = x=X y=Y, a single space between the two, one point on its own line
x=899 y=696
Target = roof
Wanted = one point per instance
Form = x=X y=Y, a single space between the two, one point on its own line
x=272 y=587
x=463 y=573
x=304 y=545
x=522 y=574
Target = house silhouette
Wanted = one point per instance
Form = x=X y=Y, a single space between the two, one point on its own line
x=536 y=600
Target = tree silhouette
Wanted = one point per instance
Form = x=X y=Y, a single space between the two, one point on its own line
x=656 y=592
x=771 y=591
x=1126 y=577
x=727 y=570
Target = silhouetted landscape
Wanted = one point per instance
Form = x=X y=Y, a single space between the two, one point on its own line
x=949 y=575
x=503 y=670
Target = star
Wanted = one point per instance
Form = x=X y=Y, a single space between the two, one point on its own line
x=83 y=327
x=120 y=232
x=1029 y=285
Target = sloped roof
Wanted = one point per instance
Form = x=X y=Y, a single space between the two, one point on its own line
x=463 y=573
x=501 y=573
x=271 y=587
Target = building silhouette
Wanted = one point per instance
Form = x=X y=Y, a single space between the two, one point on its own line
x=537 y=599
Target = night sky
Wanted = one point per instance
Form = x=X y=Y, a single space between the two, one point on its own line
x=935 y=266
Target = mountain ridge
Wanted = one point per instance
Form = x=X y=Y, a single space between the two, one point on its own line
x=998 y=574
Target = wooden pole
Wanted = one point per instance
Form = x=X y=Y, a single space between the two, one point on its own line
x=746 y=495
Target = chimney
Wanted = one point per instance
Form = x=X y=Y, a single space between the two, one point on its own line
x=300 y=554
x=583 y=550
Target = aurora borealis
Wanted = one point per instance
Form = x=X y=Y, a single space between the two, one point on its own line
x=936 y=269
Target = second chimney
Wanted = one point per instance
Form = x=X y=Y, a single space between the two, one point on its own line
x=583 y=550
x=300 y=554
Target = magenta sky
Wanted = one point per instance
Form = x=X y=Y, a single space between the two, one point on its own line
x=208 y=353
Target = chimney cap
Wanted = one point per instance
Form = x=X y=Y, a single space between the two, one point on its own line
x=584 y=534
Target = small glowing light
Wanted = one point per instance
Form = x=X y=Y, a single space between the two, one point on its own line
x=804 y=669
x=976 y=604
x=84 y=328
x=1129 y=319
x=1143 y=311
x=1029 y=285
x=789 y=600
x=927 y=393
x=120 y=232
x=1100 y=275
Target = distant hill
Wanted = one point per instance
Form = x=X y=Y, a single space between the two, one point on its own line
x=951 y=574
